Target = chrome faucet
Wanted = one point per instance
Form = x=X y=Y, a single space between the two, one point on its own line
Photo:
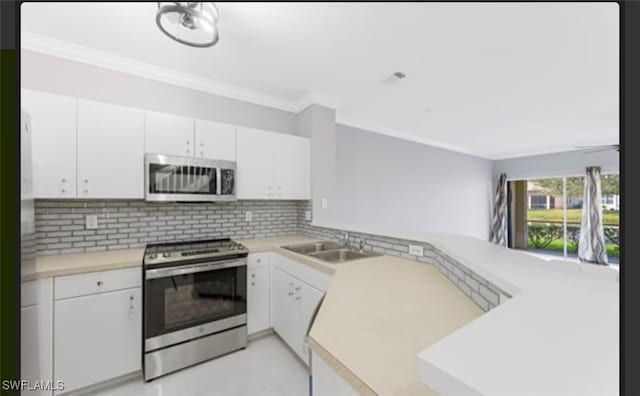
x=346 y=240
x=361 y=245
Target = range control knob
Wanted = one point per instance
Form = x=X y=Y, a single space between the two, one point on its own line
x=166 y=254
x=153 y=256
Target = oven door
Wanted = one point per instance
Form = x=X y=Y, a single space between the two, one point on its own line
x=190 y=301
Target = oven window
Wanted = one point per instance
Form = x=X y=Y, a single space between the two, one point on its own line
x=178 y=302
x=178 y=179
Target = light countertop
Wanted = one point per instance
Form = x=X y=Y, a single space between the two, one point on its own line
x=390 y=325
x=78 y=263
x=378 y=314
x=558 y=334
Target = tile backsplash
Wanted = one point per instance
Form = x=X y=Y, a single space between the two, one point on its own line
x=482 y=292
x=122 y=224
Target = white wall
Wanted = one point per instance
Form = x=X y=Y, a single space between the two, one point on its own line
x=61 y=76
x=389 y=184
x=569 y=163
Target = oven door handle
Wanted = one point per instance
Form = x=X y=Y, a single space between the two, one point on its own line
x=191 y=269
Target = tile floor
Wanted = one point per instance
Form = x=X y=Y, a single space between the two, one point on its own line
x=267 y=367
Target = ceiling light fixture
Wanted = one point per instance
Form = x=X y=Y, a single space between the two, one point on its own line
x=190 y=23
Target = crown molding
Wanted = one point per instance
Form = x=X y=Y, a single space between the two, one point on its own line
x=67 y=50
x=555 y=149
x=377 y=128
x=312 y=98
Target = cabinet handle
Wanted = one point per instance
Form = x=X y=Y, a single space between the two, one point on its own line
x=259 y=260
x=131 y=303
x=202 y=154
x=99 y=283
x=64 y=180
x=253 y=275
x=64 y=191
x=297 y=298
x=298 y=288
x=290 y=294
x=253 y=284
x=290 y=283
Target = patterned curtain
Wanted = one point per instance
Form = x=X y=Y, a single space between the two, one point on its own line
x=592 y=246
x=499 y=223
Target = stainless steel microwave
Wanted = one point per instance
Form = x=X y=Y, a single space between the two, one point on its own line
x=188 y=179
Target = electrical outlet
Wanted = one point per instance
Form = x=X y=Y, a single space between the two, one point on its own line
x=325 y=203
x=248 y=216
x=416 y=250
x=307 y=215
x=92 y=222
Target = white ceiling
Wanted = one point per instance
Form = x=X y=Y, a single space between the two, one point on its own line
x=495 y=80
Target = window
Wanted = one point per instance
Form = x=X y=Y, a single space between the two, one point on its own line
x=538 y=202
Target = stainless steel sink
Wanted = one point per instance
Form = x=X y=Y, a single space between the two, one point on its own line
x=312 y=247
x=341 y=255
x=329 y=251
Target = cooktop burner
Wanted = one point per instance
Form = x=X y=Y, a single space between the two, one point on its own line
x=201 y=250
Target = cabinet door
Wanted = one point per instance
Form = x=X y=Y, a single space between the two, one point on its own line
x=255 y=163
x=258 y=301
x=283 y=307
x=307 y=298
x=291 y=167
x=97 y=337
x=215 y=140
x=53 y=126
x=168 y=134
x=29 y=346
x=110 y=151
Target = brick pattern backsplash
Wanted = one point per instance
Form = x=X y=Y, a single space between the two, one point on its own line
x=122 y=224
x=482 y=292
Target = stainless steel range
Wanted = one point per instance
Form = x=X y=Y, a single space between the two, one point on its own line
x=195 y=303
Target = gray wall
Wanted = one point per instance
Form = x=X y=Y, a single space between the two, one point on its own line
x=391 y=184
x=319 y=124
x=569 y=163
x=64 y=77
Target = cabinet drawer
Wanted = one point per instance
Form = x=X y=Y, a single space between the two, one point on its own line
x=255 y=260
x=96 y=282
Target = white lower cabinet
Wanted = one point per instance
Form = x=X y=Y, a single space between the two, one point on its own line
x=283 y=304
x=258 y=293
x=36 y=330
x=97 y=337
x=293 y=304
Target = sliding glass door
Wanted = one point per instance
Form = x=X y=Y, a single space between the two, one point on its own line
x=553 y=213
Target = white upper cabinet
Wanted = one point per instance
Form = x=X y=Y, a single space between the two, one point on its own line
x=272 y=165
x=291 y=164
x=168 y=134
x=53 y=126
x=255 y=163
x=110 y=151
x=215 y=140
